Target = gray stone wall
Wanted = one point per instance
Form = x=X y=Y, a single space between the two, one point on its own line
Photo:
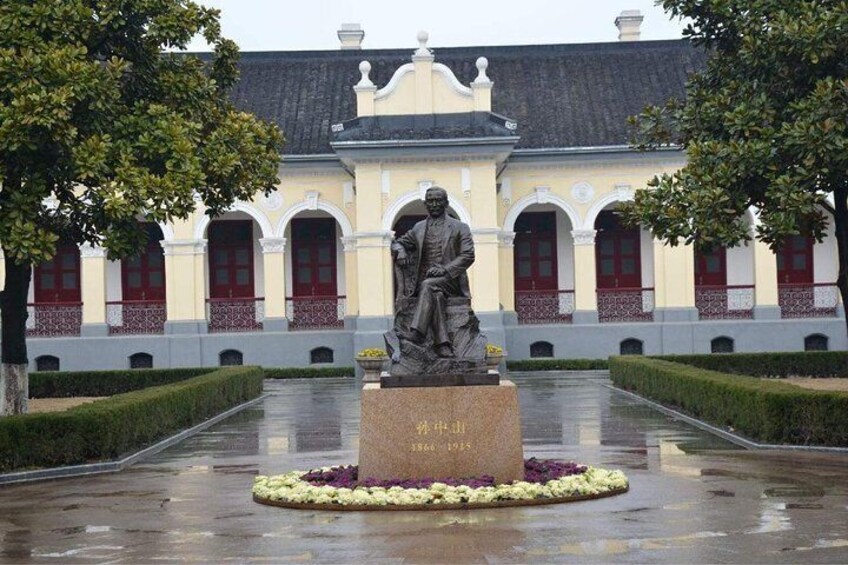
x=671 y=332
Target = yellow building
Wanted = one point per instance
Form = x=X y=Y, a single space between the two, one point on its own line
x=530 y=143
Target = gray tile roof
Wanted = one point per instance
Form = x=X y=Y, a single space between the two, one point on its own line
x=577 y=95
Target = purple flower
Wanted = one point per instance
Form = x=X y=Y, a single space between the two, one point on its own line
x=535 y=471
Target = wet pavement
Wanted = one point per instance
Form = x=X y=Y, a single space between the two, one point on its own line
x=694 y=498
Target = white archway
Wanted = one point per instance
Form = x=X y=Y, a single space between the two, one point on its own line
x=167 y=231
x=261 y=219
x=518 y=207
x=334 y=211
x=599 y=206
x=395 y=208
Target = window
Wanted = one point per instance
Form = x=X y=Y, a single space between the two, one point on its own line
x=722 y=344
x=230 y=357
x=141 y=361
x=47 y=363
x=815 y=342
x=321 y=355
x=631 y=346
x=541 y=349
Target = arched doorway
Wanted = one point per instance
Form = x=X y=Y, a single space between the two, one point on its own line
x=137 y=304
x=235 y=300
x=315 y=272
x=806 y=275
x=543 y=268
x=55 y=306
x=724 y=283
x=624 y=270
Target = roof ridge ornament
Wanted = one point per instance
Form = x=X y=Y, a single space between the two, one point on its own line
x=423 y=53
x=482 y=64
x=365 y=81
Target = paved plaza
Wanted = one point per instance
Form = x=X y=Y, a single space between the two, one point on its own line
x=694 y=498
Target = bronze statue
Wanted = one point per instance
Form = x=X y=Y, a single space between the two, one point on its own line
x=435 y=331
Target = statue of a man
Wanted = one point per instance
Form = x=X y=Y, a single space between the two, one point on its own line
x=445 y=250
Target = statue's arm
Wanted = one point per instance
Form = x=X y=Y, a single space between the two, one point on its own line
x=401 y=246
x=406 y=242
x=465 y=257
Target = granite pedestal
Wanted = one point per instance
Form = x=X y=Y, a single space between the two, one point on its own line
x=441 y=432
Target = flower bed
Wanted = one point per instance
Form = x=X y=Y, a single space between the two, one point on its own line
x=338 y=488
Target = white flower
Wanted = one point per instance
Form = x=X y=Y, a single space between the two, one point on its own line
x=289 y=487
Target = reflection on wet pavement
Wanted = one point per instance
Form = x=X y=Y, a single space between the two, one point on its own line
x=694 y=497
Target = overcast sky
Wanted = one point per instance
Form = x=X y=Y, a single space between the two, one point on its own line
x=272 y=25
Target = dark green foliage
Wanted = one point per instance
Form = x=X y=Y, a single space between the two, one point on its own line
x=66 y=384
x=768 y=411
x=800 y=364
x=557 y=365
x=307 y=373
x=112 y=427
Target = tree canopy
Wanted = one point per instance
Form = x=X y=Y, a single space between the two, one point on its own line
x=102 y=122
x=765 y=124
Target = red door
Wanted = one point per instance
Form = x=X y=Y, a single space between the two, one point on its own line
x=143 y=276
x=795 y=260
x=711 y=268
x=58 y=280
x=314 y=261
x=617 y=252
x=231 y=259
x=535 y=251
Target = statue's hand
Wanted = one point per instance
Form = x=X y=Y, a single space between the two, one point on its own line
x=402 y=258
x=436 y=271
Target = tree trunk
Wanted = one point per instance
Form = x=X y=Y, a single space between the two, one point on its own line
x=14 y=383
x=840 y=220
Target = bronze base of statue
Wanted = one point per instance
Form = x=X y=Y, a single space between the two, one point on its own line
x=422 y=362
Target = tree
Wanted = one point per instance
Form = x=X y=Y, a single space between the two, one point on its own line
x=98 y=118
x=765 y=124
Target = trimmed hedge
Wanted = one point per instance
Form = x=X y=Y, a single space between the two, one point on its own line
x=307 y=372
x=767 y=410
x=800 y=363
x=65 y=384
x=109 y=428
x=557 y=365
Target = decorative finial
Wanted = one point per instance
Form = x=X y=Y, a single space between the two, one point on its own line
x=422 y=50
x=482 y=65
x=365 y=69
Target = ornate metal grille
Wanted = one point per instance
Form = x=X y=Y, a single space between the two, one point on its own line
x=321 y=355
x=54 y=319
x=230 y=357
x=47 y=363
x=544 y=306
x=235 y=314
x=815 y=342
x=722 y=345
x=724 y=302
x=136 y=317
x=626 y=305
x=141 y=361
x=315 y=312
x=631 y=346
x=807 y=300
x=541 y=349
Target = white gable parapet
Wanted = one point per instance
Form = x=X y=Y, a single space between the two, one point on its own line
x=423 y=87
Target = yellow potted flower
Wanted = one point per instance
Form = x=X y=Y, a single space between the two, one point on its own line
x=494 y=355
x=371 y=360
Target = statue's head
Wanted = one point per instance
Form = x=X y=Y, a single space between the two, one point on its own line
x=436 y=200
